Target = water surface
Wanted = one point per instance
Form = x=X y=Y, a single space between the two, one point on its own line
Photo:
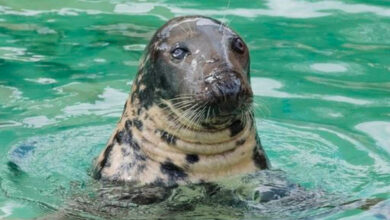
x=320 y=74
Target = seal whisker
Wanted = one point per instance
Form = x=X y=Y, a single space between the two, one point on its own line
x=203 y=113
x=250 y=116
x=262 y=109
x=180 y=100
x=242 y=116
x=200 y=115
x=181 y=97
x=186 y=113
x=208 y=114
x=178 y=105
x=177 y=119
x=183 y=101
x=178 y=124
x=183 y=105
x=192 y=118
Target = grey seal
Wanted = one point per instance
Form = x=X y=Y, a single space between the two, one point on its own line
x=189 y=116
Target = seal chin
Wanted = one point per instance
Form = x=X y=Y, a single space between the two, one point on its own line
x=220 y=117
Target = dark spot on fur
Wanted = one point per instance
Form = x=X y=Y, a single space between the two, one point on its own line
x=138 y=124
x=125 y=151
x=106 y=154
x=259 y=158
x=118 y=137
x=132 y=97
x=135 y=145
x=128 y=124
x=141 y=168
x=103 y=163
x=236 y=128
x=172 y=171
x=123 y=136
x=240 y=142
x=140 y=157
x=147 y=95
x=192 y=158
x=169 y=138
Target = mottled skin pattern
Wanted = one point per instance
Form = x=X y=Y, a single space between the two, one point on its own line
x=157 y=142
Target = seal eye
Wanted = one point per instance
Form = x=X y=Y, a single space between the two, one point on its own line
x=179 y=53
x=238 y=45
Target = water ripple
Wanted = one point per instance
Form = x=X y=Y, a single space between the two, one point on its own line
x=282 y=8
x=379 y=131
x=270 y=88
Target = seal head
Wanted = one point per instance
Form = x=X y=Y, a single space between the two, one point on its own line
x=197 y=59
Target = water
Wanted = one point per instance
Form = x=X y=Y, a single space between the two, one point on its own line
x=320 y=73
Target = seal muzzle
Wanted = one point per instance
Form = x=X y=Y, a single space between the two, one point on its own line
x=226 y=93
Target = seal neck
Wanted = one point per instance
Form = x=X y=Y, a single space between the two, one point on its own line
x=198 y=139
x=198 y=152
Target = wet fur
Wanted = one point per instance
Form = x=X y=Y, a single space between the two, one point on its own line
x=149 y=147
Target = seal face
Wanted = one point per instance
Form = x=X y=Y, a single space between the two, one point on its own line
x=189 y=116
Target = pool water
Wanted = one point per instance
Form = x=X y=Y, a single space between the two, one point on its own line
x=320 y=75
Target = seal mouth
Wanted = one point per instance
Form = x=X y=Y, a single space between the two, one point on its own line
x=218 y=115
x=196 y=114
x=223 y=100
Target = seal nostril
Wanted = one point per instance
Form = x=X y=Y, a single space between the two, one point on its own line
x=226 y=89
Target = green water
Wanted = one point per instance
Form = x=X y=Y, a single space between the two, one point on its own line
x=320 y=74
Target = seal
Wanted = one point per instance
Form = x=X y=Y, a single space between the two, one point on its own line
x=189 y=116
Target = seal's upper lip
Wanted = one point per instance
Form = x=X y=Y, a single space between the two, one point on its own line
x=217 y=75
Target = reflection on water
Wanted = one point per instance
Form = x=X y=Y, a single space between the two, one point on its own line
x=320 y=75
x=283 y=8
x=328 y=67
x=379 y=131
x=109 y=104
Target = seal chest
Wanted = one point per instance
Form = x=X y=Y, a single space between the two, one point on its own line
x=189 y=116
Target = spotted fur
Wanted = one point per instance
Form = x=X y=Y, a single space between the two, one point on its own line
x=155 y=143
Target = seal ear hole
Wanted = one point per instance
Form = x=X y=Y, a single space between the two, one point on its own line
x=179 y=52
x=238 y=45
